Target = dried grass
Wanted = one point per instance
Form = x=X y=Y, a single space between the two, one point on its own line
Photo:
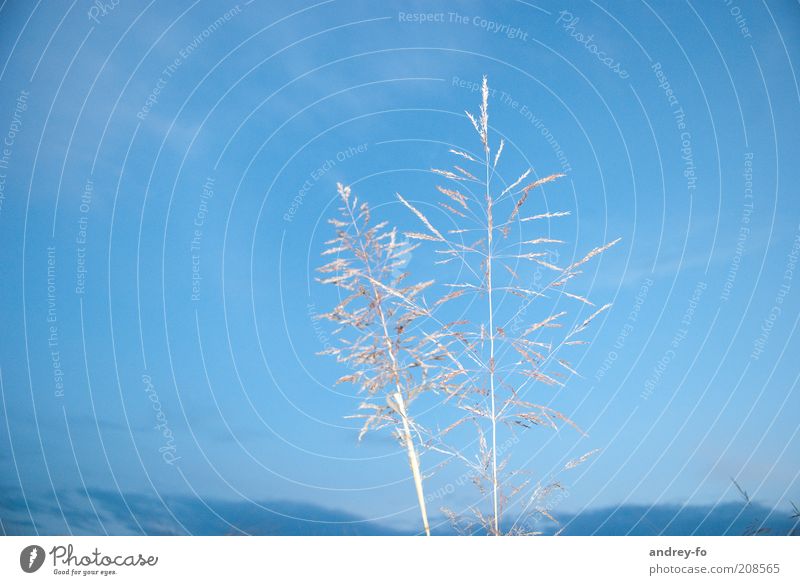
x=483 y=369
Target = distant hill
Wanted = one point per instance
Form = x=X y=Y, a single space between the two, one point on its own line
x=731 y=518
x=142 y=513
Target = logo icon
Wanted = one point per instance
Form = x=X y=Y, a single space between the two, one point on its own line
x=31 y=558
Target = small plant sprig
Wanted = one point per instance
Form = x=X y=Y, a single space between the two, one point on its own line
x=390 y=363
x=491 y=247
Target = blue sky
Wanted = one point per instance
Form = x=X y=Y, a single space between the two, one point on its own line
x=205 y=139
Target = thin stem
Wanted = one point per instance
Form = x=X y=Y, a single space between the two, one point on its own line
x=489 y=238
x=412 y=459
